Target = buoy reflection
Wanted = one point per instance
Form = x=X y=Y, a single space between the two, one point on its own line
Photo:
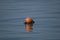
x=28 y=27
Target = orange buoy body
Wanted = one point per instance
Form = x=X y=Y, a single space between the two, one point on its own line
x=29 y=20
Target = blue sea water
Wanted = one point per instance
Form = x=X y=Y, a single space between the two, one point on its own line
x=45 y=13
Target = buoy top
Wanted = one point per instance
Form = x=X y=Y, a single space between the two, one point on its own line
x=28 y=20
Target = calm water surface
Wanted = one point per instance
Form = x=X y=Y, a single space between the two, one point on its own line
x=45 y=13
